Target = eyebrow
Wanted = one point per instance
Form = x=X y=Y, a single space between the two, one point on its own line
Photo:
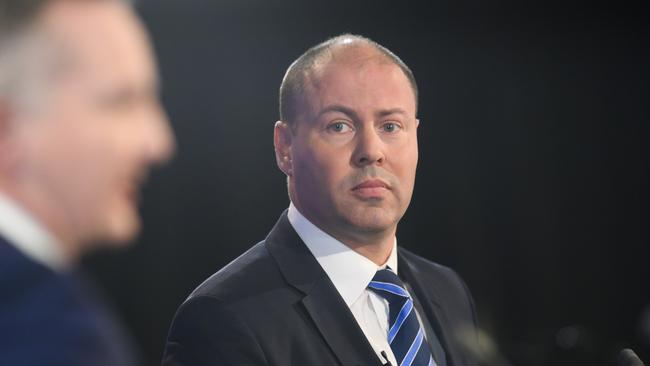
x=388 y=112
x=348 y=111
x=338 y=108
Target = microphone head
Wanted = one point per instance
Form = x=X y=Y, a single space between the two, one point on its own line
x=627 y=357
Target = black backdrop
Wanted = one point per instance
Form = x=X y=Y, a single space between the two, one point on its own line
x=533 y=172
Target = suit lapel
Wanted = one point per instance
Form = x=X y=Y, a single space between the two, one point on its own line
x=322 y=302
x=428 y=296
x=338 y=327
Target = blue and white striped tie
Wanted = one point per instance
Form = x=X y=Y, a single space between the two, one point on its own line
x=405 y=336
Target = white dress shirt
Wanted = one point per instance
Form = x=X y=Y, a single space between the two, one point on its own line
x=350 y=272
x=25 y=233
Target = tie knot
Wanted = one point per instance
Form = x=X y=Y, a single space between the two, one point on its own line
x=387 y=284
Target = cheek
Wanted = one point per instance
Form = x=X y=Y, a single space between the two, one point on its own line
x=317 y=169
x=89 y=165
x=90 y=181
x=323 y=167
x=406 y=160
x=89 y=153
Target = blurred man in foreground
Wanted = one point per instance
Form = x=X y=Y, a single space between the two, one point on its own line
x=80 y=124
x=329 y=285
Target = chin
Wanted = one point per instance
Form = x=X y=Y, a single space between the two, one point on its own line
x=372 y=219
x=122 y=229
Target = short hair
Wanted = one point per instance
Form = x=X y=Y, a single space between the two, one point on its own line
x=16 y=14
x=16 y=18
x=294 y=81
x=21 y=49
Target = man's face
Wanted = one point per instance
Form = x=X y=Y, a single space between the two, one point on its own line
x=89 y=148
x=354 y=150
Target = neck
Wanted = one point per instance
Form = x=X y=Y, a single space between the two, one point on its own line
x=374 y=245
x=378 y=252
x=51 y=220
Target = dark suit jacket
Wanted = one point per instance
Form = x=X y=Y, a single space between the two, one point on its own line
x=54 y=319
x=275 y=305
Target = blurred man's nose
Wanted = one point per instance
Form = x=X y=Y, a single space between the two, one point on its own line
x=160 y=143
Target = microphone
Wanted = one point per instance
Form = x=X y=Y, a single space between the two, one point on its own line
x=627 y=357
x=383 y=354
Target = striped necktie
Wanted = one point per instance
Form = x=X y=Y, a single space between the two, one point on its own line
x=405 y=335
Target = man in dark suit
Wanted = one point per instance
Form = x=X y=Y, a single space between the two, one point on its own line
x=329 y=285
x=80 y=124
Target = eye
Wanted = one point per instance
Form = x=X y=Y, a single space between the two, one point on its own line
x=339 y=127
x=390 y=127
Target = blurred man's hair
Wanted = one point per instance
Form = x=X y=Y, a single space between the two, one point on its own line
x=16 y=18
x=27 y=57
x=293 y=83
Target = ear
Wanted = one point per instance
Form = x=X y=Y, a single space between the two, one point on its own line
x=5 y=135
x=5 y=115
x=282 y=138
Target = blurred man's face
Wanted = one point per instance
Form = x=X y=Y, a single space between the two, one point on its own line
x=88 y=150
x=354 y=152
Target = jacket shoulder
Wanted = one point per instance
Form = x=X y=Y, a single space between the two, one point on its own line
x=425 y=266
x=251 y=273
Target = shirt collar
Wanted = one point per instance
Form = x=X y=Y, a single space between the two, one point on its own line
x=27 y=235
x=349 y=271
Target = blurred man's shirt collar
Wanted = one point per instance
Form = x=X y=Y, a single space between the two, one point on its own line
x=349 y=271
x=25 y=233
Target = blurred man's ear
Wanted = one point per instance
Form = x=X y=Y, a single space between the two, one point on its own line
x=6 y=115
x=4 y=119
x=282 y=138
x=5 y=132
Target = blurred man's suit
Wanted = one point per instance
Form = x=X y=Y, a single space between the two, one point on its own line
x=275 y=305
x=43 y=311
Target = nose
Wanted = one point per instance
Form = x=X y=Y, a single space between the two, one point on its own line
x=368 y=149
x=160 y=143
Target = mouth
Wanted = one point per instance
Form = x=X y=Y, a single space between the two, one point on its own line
x=372 y=188
x=132 y=194
x=134 y=188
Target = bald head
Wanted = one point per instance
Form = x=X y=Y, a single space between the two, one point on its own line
x=347 y=48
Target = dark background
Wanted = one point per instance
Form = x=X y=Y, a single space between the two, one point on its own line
x=533 y=176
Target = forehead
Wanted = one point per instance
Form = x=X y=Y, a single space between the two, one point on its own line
x=101 y=37
x=360 y=79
